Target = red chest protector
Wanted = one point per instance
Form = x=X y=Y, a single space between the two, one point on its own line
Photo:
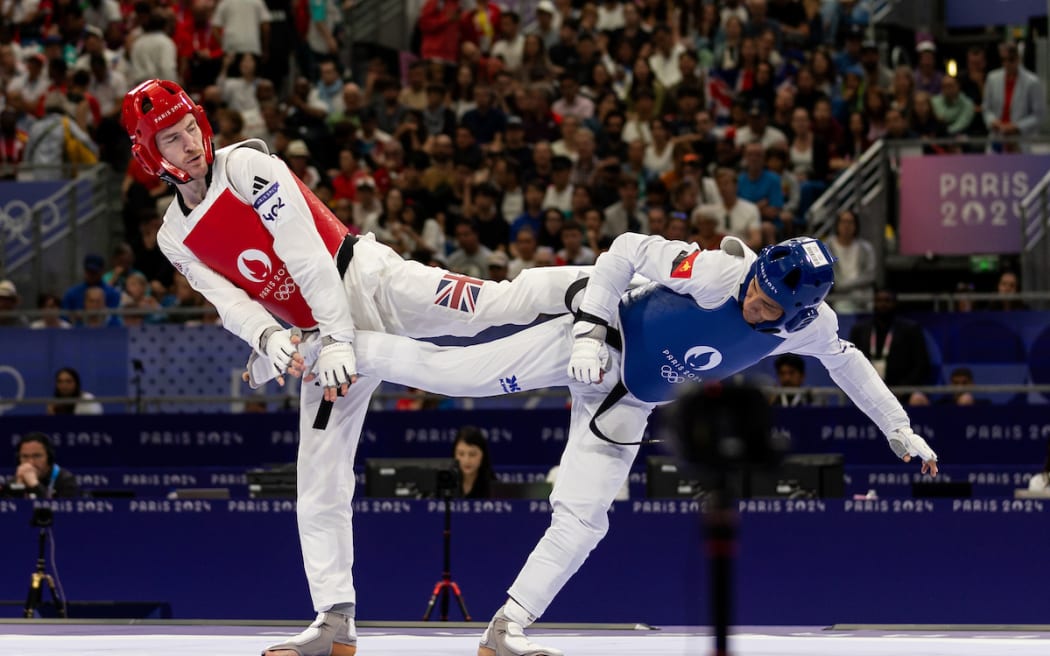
x=231 y=239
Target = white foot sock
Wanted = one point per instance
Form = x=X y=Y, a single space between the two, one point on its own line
x=515 y=613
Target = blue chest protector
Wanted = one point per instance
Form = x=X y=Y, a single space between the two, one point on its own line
x=668 y=340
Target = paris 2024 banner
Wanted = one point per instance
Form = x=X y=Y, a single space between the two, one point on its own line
x=964 y=204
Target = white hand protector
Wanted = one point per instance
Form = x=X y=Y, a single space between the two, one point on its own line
x=260 y=367
x=905 y=442
x=277 y=344
x=336 y=363
x=589 y=353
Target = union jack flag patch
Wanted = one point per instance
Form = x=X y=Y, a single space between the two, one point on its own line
x=458 y=292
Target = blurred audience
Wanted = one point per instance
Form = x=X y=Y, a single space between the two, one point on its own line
x=504 y=142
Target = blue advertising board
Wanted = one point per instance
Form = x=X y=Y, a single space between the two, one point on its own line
x=979 y=13
x=800 y=562
x=983 y=434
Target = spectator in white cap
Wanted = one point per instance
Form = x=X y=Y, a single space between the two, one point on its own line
x=927 y=77
x=94 y=43
x=298 y=157
x=9 y=303
x=498 y=262
x=547 y=24
x=368 y=209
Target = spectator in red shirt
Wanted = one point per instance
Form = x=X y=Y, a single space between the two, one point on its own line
x=439 y=25
x=344 y=179
x=12 y=144
x=199 y=46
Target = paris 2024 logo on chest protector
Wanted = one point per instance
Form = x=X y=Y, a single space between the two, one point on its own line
x=702 y=358
x=254 y=265
x=696 y=360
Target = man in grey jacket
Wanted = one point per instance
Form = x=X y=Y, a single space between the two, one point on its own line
x=1014 y=99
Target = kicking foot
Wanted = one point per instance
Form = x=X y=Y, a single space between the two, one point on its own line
x=504 y=637
x=331 y=634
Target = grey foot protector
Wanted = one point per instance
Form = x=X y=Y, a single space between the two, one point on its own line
x=317 y=639
x=497 y=634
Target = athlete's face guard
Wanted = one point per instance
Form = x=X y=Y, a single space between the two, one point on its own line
x=151 y=107
x=797 y=274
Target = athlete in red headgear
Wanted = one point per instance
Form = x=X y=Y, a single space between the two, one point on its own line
x=260 y=246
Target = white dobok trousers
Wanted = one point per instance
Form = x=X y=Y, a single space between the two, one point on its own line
x=388 y=294
x=592 y=471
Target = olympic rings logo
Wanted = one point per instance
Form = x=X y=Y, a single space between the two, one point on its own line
x=670 y=375
x=285 y=291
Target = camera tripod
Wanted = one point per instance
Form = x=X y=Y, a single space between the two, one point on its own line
x=446 y=586
x=720 y=534
x=723 y=430
x=35 y=598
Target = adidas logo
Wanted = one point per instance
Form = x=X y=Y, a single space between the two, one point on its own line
x=259 y=184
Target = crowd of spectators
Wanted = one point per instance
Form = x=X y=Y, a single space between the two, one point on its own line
x=500 y=144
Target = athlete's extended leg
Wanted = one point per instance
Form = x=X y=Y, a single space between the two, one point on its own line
x=591 y=473
x=422 y=301
x=532 y=358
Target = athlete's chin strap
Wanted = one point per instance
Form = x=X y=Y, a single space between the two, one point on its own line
x=174 y=184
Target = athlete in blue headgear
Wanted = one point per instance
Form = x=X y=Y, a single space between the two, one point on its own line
x=703 y=316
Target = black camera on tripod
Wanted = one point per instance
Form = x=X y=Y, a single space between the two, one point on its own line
x=719 y=429
x=448 y=482
x=43 y=518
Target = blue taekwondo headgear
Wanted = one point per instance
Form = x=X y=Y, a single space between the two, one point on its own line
x=797 y=274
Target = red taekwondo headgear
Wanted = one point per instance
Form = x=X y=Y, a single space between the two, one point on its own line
x=153 y=106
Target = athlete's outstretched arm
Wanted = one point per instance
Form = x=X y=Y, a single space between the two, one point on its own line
x=855 y=376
